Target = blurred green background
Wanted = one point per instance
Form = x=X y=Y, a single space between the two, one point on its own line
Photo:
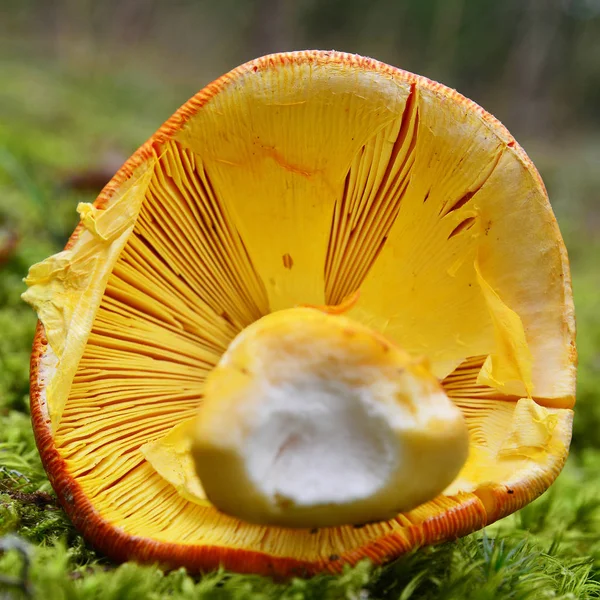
x=84 y=82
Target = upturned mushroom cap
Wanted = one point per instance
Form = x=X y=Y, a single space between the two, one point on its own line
x=302 y=179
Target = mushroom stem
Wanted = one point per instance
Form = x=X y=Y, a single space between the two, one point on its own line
x=311 y=420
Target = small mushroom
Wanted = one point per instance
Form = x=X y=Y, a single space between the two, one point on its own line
x=325 y=311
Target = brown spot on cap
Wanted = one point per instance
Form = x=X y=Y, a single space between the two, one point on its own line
x=288 y=261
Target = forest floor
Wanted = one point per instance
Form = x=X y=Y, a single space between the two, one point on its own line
x=61 y=136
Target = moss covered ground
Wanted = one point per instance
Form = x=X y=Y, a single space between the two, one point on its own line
x=59 y=133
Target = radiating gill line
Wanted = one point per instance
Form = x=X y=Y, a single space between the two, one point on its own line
x=469 y=363
x=244 y=278
x=376 y=226
x=120 y=449
x=134 y=335
x=355 y=201
x=368 y=216
x=486 y=173
x=195 y=264
x=106 y=371
x=370 y=202
x=135 y=347
x=134 y=509
x=195 y=316
x=387 y=217
x=492 y=396
x=146 y=303
x=145 y=431
x=173 y=512
x=462 y=201
x=254 y=287
x=462 y=387
x=192 y=223
x=167 y=510
x=198 y=316
x=107 y=467
x=115 y=311
x=409 y=116
x=463 y=226
x=176 y=193
x=106 y=355
x=172 y=210
x=136 y=477
x=137 y=400
x=110 y=463
x=335 y=232
x=230 y=236
x=112 y=420
x=113 y=484
x=126 y=378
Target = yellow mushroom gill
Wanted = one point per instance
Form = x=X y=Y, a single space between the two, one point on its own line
x=356 y=184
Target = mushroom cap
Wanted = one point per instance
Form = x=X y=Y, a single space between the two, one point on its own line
x=302 y=178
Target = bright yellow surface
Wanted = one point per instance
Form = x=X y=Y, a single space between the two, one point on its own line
x=511 y=440
x=171 y=457
x=300 y=184
x=508 y=367
x=66 y=289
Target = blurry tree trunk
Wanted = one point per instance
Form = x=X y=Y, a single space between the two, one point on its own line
x=583 y=68
x=271 y=27
x=528 y=74
x=74 y=31
x=132 y=20
x=445 y=30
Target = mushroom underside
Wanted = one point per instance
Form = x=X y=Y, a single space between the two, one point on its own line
x=373 y=184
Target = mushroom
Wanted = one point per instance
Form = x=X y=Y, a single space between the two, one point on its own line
x=323 y=314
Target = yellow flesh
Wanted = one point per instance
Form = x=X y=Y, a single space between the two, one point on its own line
x=300 y=184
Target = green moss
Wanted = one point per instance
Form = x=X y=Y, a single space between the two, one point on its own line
x=19 y=459
x=586 y=283
x=548 y=551
x=52 y=575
